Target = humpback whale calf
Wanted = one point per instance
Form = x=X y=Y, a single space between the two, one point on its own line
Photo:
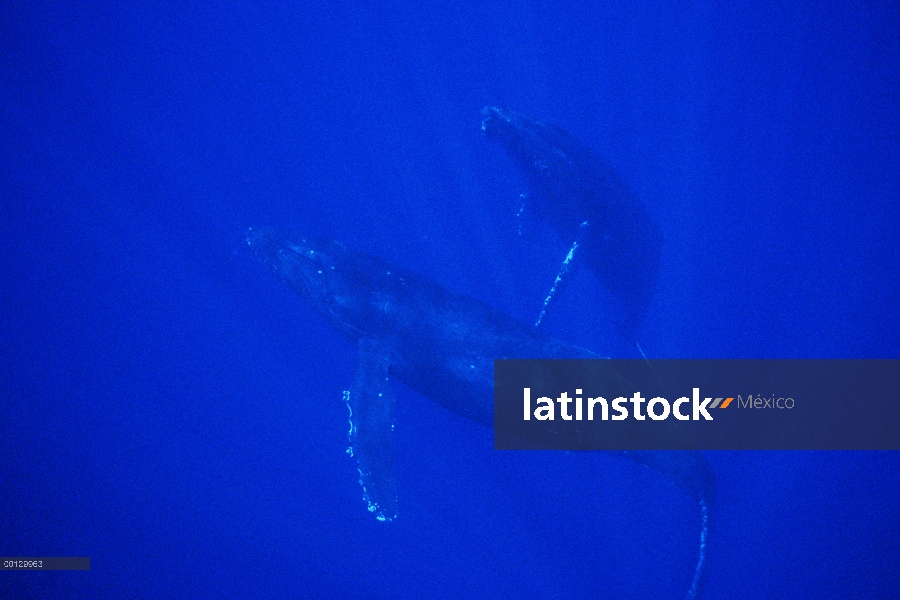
x=588 y=205
x=439 y=343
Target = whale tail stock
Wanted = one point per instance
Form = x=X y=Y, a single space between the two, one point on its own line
x=691 y=472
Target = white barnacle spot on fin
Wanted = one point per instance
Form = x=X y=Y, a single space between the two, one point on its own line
x=371 y=403
x=522 y=215
x=346 y=397
x=561 y=277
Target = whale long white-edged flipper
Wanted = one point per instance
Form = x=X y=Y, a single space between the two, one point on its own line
x=563 y=276
x=371 y=403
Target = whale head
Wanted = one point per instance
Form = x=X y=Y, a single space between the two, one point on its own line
x=354 y=291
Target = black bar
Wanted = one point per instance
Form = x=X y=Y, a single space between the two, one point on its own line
x=44 y=563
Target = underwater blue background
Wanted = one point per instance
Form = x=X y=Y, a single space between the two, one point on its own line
x=171 y=409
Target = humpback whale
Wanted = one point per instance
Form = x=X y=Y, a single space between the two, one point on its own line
x=439 y=343
x=588 y=205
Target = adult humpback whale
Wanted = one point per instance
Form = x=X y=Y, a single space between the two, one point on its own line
x=587 y=204
x=439 y=343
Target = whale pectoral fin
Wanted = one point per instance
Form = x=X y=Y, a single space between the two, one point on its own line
x=563 y=276
x=371 y=403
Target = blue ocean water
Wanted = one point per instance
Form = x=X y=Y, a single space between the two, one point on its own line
x=171 y=409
